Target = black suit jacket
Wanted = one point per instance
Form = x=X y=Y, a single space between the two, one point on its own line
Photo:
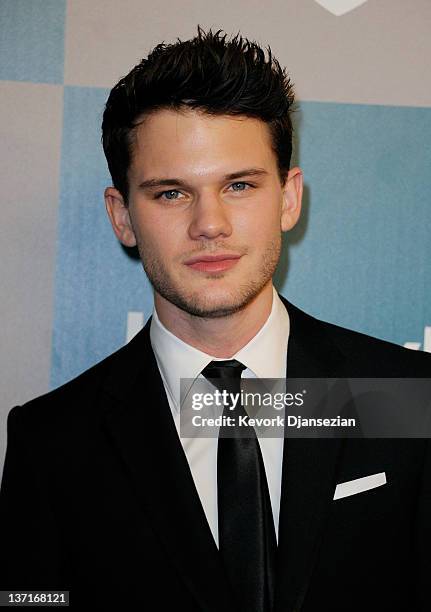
x=97 y=496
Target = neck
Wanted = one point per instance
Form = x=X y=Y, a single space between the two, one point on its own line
x=221 y=336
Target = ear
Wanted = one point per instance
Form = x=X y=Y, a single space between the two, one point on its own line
x=119 y=217
x=292 y=199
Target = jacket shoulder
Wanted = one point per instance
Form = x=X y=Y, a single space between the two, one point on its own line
x=364 y=355
x=79 y=396
x=396 y=359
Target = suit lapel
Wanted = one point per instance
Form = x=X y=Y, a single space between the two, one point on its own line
x=308 y=475
x=140 y=424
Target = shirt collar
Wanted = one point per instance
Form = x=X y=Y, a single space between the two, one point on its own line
x=264 y=355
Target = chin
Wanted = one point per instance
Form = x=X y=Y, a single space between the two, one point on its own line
x=222 y=304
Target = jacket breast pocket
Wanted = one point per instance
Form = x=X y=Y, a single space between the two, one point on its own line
x=370 y=504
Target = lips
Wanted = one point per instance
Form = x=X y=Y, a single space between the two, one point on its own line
x=219 y=257
x=213 y=263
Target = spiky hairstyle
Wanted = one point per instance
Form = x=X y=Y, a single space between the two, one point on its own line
x=209 y=72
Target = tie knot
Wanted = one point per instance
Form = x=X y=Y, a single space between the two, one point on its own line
x=229 y=368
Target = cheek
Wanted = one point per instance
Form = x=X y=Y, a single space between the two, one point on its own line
x=153 y=234
x=259 y=228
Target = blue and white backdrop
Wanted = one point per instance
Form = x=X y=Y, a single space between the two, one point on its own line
x=361 y=256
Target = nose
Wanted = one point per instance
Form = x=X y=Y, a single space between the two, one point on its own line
x=210 y=218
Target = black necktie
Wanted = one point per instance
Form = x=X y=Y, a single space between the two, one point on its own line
x=247 y=540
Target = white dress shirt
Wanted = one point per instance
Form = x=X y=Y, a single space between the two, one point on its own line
x=264 y=356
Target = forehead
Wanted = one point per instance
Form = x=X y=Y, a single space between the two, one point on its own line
x=167 y=141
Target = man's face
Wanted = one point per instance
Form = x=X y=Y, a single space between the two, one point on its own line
x=201 y=210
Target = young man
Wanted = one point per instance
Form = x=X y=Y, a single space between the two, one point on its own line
x=100 y=493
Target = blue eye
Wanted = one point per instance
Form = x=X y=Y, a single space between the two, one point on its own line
x=242 y=184
x=159 y=195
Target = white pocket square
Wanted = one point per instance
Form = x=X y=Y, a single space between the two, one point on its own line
x=351 y=487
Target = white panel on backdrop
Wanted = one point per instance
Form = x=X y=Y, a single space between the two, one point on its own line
x=135 y=322
x=357 y=59
x=427 y=341
x=340 y=7
x=30 y=127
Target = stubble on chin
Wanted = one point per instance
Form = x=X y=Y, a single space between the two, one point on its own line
x=196 y=303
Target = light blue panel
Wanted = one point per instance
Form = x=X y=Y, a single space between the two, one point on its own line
x=32 y=40
x=361 y=256
x=96 y=281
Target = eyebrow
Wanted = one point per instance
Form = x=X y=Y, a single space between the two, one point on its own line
x=159 y=182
